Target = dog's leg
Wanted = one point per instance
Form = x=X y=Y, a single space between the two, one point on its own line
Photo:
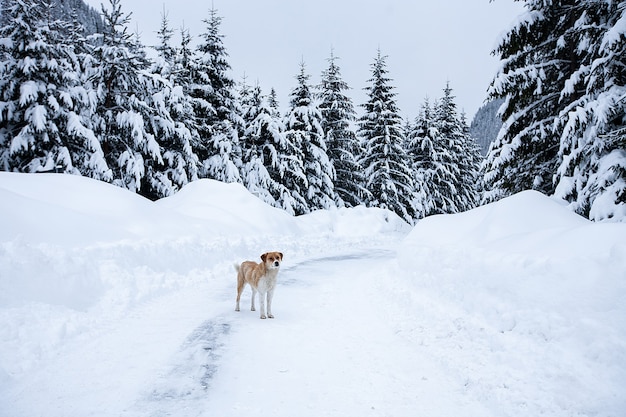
x=270 y=295
x=253 y=297
x=262 y=302
x=240 y=284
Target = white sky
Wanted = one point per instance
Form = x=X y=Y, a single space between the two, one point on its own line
x=427 y=42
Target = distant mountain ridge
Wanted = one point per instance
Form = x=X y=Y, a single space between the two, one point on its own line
x=486 y=125
x=87 y=15
x=90 y=18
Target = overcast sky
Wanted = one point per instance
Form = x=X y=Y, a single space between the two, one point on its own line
x=427 y=42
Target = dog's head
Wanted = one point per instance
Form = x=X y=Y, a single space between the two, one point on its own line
x=272 y=260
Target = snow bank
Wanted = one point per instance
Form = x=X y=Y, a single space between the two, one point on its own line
x=530 y=298
x=228 y=209
x=354 y=222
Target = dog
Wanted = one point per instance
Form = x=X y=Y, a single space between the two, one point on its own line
x=262 y=279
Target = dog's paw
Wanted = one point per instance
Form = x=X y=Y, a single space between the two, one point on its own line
x=236 y=308
x=263 y=316
x=253 y=309
x=270 y=316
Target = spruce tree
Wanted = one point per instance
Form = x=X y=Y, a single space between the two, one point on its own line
x=562 y=80
x=422 y=151
x=305 y=135
x=173 y=121
x=124 y=109
x=262 y=142
x=446 y=159
x=386 y=163
x=217 y=112
x=344 y=150
x=42 y=99
x=459 y=158
x=541 y=60
x=592 y=171
x=281 y=158
x=164 y=49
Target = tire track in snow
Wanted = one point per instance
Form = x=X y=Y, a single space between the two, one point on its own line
x=184 y=385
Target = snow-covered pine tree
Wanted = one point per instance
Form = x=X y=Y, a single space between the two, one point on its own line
x=421 y=149
x=173 y=121
x=218 y=114
x=272 y=101
x=563 y=82
x=303 y=124
x=124 y=112
x=592 y=171
x=474 y=161
x=182 y=76
x=42 y=100
x=183 y=60
x=262 y=143
x=344 y=150
x=285 y=158
x=459 y=159
x=165 y=51
x=385 y=161
x=540 y=73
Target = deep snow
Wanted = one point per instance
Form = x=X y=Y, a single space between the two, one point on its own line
x=112 y=305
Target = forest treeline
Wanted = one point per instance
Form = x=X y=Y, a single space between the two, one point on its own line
x=97 y=105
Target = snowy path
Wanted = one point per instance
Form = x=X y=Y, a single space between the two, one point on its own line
x=330 y=351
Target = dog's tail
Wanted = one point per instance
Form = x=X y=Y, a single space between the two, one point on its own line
x=237 y=266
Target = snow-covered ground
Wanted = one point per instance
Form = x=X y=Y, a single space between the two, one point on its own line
x=111 y=305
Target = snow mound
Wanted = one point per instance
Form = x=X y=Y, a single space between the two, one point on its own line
x=53 y=208
x=228 y=209
x=354 y=222
x=539 y=290
x=510 y=224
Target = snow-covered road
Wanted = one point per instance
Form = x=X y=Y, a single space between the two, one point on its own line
x=331 y=350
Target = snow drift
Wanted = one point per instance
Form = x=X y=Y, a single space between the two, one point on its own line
x=539 y=290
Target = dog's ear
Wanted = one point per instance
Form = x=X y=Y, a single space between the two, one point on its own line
x=263 y=257
x=281 y=255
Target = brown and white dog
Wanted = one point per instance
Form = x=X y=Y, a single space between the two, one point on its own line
x=262 y=279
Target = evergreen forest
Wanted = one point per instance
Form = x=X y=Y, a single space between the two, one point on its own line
x=84 y=97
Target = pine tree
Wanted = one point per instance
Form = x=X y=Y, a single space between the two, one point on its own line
x=563 y=81
x=218 y=115
x=182 y=76
x=540 y=61
x=272 y=101
x=344 y=150
x=173 y=121
x=164 y=49
x=460 y=160
x=262 y=142
x=42 y=100
x=421 y=149
x=386 y=163
x=304 y=132
x=592 y=171
x=183 y=57
x=124 y=112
